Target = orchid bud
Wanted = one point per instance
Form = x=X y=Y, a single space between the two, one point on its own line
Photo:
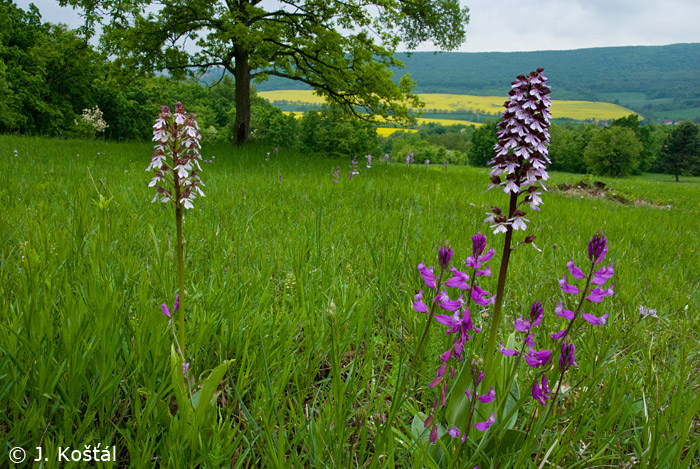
x=444 y=255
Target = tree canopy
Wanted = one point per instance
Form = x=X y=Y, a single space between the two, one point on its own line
x=344 y=50
x=681 y=150
x=613 y=151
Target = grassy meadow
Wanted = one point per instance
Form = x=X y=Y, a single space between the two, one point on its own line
x=306 y=286
x=436 y=102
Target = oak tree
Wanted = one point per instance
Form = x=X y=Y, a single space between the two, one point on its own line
x=342 y=49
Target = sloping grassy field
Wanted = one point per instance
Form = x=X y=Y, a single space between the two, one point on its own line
x=307 y=287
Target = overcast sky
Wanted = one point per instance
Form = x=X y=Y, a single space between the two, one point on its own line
x=517 y=25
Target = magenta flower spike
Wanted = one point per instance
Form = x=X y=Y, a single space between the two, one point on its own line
x=165 y=309
x=597 y=248
x=536 y=313
x=567 y=358
x=444 y=256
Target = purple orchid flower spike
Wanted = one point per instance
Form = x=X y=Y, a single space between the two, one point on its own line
x=523 y=136
x=444 y=255
x=478 y=245
x=597 y=248
x=567 y=357
x=165 y=309
x=536 y=313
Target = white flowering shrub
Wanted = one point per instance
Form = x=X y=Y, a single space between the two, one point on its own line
x=91 y=123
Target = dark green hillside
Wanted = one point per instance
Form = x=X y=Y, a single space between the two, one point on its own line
x=660 y=82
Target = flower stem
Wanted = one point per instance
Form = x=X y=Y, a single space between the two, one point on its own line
x=466 y=430
x=398 y=398
x=180 y=266
x=511 y=378
x=502 y=274
x=580 y=303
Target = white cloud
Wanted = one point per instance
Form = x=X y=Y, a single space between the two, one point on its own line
x=512 y=25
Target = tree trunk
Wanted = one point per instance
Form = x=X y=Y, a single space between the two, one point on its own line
x=241 y=127
x=676 y=177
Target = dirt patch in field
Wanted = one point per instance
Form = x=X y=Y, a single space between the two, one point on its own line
x=599 y=189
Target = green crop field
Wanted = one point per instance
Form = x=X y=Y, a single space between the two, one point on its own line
x=306 y=287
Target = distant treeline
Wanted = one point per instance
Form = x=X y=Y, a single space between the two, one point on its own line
x=621 y=149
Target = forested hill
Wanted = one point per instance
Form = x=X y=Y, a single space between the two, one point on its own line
x=657 y=81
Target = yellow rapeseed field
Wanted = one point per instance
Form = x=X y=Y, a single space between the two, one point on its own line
x=577 y=110
x=385 y=132
x=428 y=120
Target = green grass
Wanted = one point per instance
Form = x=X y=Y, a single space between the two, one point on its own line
x=84 y=348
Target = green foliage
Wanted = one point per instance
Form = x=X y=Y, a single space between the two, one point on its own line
x=483 y=141
x=681 y=150
x=613 y=151
x=331 y=132
x=454 y=137
x=47 y=70
x=82 y=277
x=326 y=45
